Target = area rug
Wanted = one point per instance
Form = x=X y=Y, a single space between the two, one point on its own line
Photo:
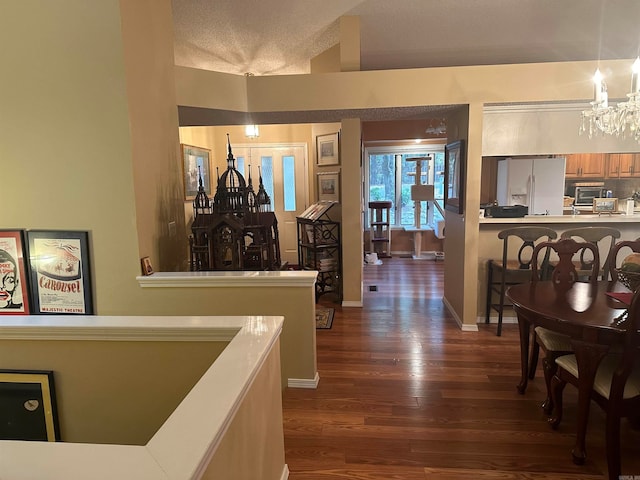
x=324 y=317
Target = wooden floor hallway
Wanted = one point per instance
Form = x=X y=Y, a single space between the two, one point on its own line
x=405 y=394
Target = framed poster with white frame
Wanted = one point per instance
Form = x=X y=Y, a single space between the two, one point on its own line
x=329 y=186
x=328 y=149
x=59 y=272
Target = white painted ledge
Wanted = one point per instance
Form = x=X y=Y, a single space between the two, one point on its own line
x=183 y=446
x=284 y=278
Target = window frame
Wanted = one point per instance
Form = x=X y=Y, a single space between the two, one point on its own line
x=395 y=150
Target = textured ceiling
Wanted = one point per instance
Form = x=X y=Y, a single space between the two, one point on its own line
x=274 y=37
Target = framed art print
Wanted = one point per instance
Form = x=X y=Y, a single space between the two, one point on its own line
x=196 y=162
x=14 y=286
x=605 y=205
x=147 y=268
x=454 y=176
x=329 y=186
x=328 y=149
x=28 y=406
x=59 y=272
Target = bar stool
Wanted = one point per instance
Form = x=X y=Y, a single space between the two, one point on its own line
x=505 y=272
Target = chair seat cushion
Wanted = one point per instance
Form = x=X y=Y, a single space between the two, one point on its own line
x=552 y=341
x=604 y=375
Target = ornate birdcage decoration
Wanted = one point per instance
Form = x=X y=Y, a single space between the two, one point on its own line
x=252 y=199
x=231 y=193
x=201 y=204
x=239 y=231
x=262 y=198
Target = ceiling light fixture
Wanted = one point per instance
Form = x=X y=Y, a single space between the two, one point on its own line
x=439 y=129
x=251 y=131
x=621 y=120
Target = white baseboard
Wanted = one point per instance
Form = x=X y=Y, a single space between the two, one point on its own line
x=505 y=319
x=285 y=472
x=304 y=382
x=463 y=327
x=351 y=303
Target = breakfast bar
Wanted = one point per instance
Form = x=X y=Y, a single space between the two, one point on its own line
x=490 y=246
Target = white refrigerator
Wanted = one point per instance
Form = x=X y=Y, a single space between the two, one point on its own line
x=535 y=182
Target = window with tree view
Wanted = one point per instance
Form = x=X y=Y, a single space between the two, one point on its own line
x=392 y=172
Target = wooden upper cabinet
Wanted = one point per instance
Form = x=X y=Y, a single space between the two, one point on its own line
x=585 y=165
x=623 y=165
x=572 y=166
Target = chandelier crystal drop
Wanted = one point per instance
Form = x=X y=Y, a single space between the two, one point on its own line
x=621 y=120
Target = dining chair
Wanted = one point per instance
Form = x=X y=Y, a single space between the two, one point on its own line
x=511 y=271
x=603 y=237
x=615 y=257
x=554 y=344
x=616 y=388
x=563 y=276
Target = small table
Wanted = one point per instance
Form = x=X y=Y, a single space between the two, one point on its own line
x=585 y=313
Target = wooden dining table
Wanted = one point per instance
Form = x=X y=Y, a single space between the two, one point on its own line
x=586 y=312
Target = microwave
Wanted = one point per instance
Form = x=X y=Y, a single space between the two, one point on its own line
x=584 y=195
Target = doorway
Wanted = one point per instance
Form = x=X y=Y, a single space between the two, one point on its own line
x=284 y=172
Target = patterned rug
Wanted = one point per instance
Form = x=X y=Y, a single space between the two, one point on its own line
x=324 y=317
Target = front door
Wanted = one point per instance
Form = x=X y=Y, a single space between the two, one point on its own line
x=283 y=169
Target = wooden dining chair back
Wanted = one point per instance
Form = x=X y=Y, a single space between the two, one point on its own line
x=512 y=269
x=563 y=275
x=603 y=237
x=568 y=269
x=616 y=388
x=620 y=250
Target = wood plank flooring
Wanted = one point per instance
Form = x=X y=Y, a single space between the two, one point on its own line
x=405 y=394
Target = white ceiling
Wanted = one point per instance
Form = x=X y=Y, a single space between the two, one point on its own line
x=275 y=37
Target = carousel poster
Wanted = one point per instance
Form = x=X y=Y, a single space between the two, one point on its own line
x=59 y=272
x=14 y=298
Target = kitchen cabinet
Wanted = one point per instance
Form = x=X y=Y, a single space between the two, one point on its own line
x=623 y=165
x=585 y=165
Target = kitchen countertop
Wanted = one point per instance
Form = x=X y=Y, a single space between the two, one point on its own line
x=580 y=218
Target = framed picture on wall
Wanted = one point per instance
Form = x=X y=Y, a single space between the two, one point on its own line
x=14 y=284
x=454 y=176
x=196 y=162
x=59 y=272
x=328 y=149
x=28 y=406
x=329 y=186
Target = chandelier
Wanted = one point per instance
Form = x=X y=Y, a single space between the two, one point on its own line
x=621 y=120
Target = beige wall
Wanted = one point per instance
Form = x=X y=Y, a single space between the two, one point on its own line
x=242 y=456
x=76 y=150
x=119 y=392
x=297 y=305
x=147 y=32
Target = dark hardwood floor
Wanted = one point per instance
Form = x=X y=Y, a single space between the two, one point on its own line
x=405 y=394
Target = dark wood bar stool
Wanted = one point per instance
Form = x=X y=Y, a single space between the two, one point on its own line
x=505 y=272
